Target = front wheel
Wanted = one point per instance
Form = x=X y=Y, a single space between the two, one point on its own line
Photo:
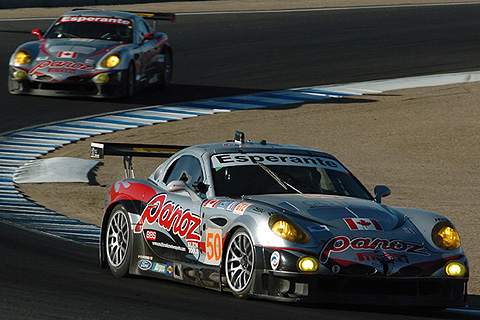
x=119 y=241
x=130 y=81
x=167 y=72
x=239 y=263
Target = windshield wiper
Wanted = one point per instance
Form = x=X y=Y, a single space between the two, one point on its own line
x=279 y=180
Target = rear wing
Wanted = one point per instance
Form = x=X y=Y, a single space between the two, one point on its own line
x=155 y=15
x=98 y=150
x=146 y=15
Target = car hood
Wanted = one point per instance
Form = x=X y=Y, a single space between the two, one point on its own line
x=333 y=211
x=76 y=48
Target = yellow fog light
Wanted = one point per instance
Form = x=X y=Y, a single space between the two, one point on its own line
x=445 y=237
x=102 y=78
x=20 y=74
x=287 y=229
x=111 y=61
x=308 y=264
x=455 y=269
x=23 y=57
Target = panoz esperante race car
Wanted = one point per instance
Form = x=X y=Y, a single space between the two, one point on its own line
x=275 y=221
x=94 y=53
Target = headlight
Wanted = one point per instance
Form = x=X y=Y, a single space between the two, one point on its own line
x=287 y=229
x=455 y=269
x=23 y=57
x=308 y=264
x=445 y=237
x=111 y=61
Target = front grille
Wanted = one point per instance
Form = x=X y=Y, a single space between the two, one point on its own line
x=65 y=86
x=380 y=286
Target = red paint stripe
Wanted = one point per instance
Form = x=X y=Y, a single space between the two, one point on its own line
x=105 y=50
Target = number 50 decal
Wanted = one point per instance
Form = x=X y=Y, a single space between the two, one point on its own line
x=213 y=246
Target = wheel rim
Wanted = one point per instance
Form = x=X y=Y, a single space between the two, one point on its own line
x=239 y=262
x=118 y=237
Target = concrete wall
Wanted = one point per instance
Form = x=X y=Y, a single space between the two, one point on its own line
x=8 y=4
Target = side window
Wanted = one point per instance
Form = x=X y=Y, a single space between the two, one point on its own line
x=186 y=168
x=142 y=30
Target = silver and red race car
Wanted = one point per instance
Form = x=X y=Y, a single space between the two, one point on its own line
x=93 y=53
x=275 y=221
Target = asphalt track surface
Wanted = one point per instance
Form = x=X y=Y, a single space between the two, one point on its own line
x=43 y=277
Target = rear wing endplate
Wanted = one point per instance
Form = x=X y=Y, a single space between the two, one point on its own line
x=98 y=150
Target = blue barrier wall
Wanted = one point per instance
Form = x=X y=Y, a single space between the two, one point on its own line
x=9 y=4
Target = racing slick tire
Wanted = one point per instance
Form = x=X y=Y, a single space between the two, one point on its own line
x=167 y=72
x=130 y=82
x=239 y=263
x=119 y=241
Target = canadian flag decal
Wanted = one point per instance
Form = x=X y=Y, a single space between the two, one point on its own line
x=362 y=224
x=67 y=54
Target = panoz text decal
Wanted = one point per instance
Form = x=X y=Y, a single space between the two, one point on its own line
x=124 y=22
x=342 y=243
x=170 y=217
x=226 y=160
x=61 y=64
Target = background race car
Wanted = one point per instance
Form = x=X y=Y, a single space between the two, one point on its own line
x=94 y=53
x=275 y=221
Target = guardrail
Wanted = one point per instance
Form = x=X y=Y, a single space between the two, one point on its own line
x=11 y=4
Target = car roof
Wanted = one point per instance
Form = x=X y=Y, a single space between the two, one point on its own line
x=249 y=147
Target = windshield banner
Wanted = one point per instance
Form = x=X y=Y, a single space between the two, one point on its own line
x=124 y=22
x=235 y=159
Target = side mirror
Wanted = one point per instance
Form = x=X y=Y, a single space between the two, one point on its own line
x=148 y=36
x=381 y=191
x=38 y=33
x=179 y=185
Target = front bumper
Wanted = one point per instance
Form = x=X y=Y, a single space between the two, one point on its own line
x=83 y=86
x=317 y=288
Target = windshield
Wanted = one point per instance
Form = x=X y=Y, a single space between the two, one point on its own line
x=236 y=175
x=103 y=28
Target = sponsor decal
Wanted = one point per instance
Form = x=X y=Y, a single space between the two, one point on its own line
x=170 y=269
x=168 y=246
x=409 y=230
x=213 y=246
x=151 y=235
x=275 y=260
x=342 y=243
x=159 y=267
x=336 y=268
x=171 y=217
x=144 y=265
x=140 y=256
x=62 y=70
x=67 y=54
x=232 y=206
x=362 y=224
x=211 y=203
x=235 y=159
x=240 y=208
x=193 y=248
x=124 y=22
x=60 y=64
x=370 y=256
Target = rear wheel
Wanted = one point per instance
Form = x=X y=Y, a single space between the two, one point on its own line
x=118 y=242
x=239 y=263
